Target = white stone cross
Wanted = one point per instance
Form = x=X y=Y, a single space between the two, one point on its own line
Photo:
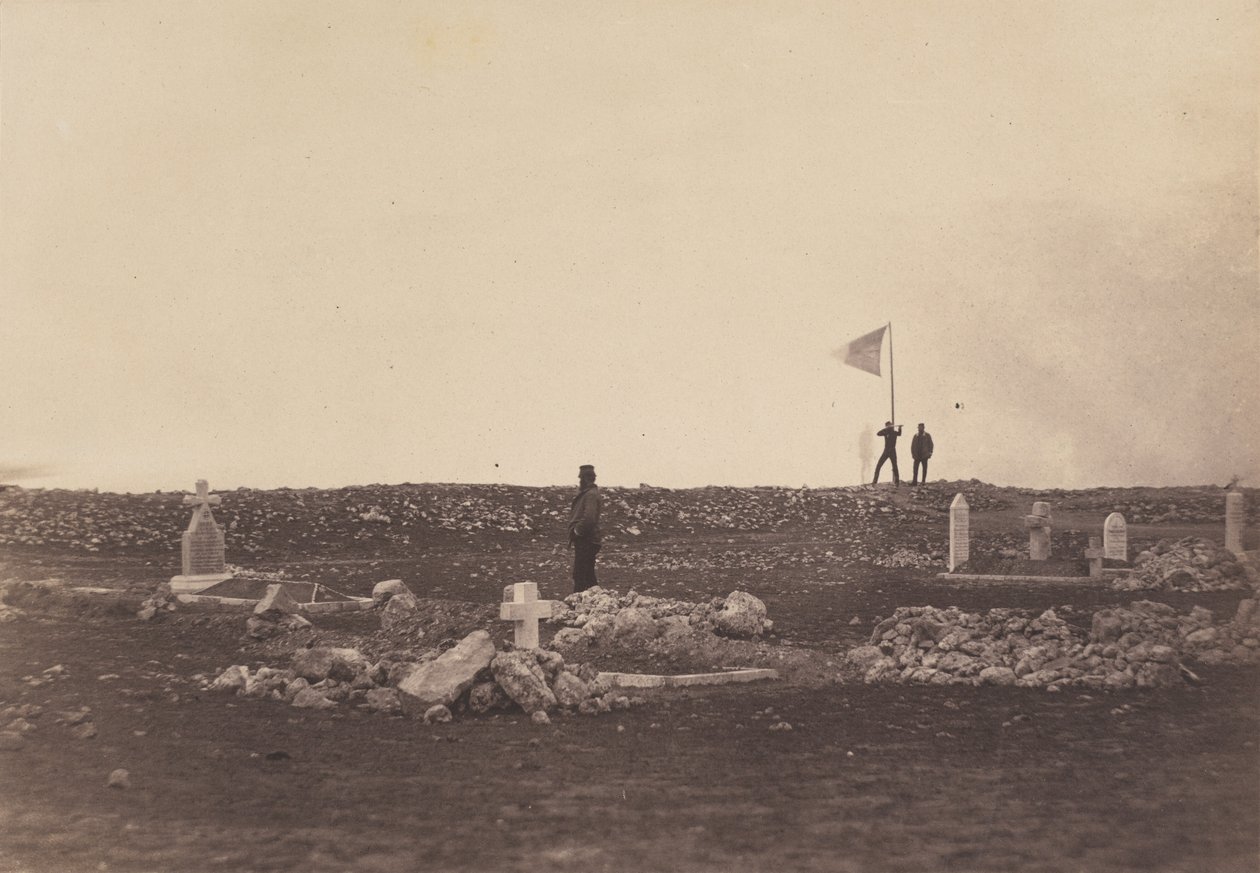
x=203 y=497
x=524 y=609
x=1095 y=554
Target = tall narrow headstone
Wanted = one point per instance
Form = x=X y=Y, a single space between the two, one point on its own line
x=1234 y=521
x=959 y=532
x=1038 y=524
x=1116 y=537
x=202 y=546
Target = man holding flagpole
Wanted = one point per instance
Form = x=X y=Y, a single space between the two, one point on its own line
x=890 y=434
x=864 y=353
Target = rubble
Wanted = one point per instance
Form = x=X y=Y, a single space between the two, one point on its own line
x=603 y=616
x=1141 y=645
x=1189 y=564
x=469 y=676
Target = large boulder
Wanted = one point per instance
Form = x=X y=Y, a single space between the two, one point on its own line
x=446 y=677
x=634 y=625
x=520 y=677
x=741 y=615
x=324 y=662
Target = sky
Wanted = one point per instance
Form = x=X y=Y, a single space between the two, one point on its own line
x=324 y=244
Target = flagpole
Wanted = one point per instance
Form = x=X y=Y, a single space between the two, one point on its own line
x=892 y=386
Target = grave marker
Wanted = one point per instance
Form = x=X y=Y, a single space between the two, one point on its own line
x=959 y=532
x=522 y=607
x=1116 y=537
x=202 y=545
x=1234 y=521
x=1095 y=554
x=1038 y=524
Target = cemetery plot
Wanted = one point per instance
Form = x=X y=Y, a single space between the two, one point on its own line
x=1032 y=726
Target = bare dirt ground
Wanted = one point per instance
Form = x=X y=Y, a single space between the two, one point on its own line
x=870 y=778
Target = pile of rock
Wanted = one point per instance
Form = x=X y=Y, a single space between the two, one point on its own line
x=1190 y=564
x=902 y=557
x=1142 y=645
x=470 y=676
x=603 y=617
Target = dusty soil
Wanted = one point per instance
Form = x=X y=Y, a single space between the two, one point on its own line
x=868 y=779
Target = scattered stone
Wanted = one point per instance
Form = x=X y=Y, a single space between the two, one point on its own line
x=233 y=679
x=384 y=700
x=437 y=714
x=742 y=615
x=310 y=698
x=539 y=717
x=383 y=591
x=569 y=689
x=398 y=608
x=520 y=677
x=119 y=778
x=486 y=697
x=634 y=625
x=85 y=731
x=323 y=662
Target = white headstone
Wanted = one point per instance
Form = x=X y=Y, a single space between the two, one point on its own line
x=1038 y=524
x=202 y=546
x=524 y=610
x=959 y=532
x=1234 y=521
x=1116 y=537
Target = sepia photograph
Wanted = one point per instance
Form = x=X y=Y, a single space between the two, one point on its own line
x=680 y=437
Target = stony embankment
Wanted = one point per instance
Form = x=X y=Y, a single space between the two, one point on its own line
x=1143 y=645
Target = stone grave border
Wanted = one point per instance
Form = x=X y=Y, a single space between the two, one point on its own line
x=686 y=680
x=232 y=604
x=1108 y=572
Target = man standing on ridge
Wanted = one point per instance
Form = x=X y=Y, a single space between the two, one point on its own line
x=890 y=434
x=584 y=529
x=920 y=450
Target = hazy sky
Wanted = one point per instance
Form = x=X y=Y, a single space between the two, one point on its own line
x=334 y=243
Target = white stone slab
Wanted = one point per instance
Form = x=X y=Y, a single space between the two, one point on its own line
x=649 y=680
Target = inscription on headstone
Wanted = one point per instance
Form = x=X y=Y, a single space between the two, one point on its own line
x=203 y=546
x=1038 y=524
x=1116 y=537
x=1234 y=521
x=959 y=532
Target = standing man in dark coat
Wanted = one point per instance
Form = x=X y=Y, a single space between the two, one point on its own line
x=890 y=434
x=584 y=529
x=920 y=450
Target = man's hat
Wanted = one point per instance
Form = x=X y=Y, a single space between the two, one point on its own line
x=887 y=423
x=586 y=469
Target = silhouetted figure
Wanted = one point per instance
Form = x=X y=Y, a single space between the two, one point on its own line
x=920 y=450
x=890 y=434
x=584 y=529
